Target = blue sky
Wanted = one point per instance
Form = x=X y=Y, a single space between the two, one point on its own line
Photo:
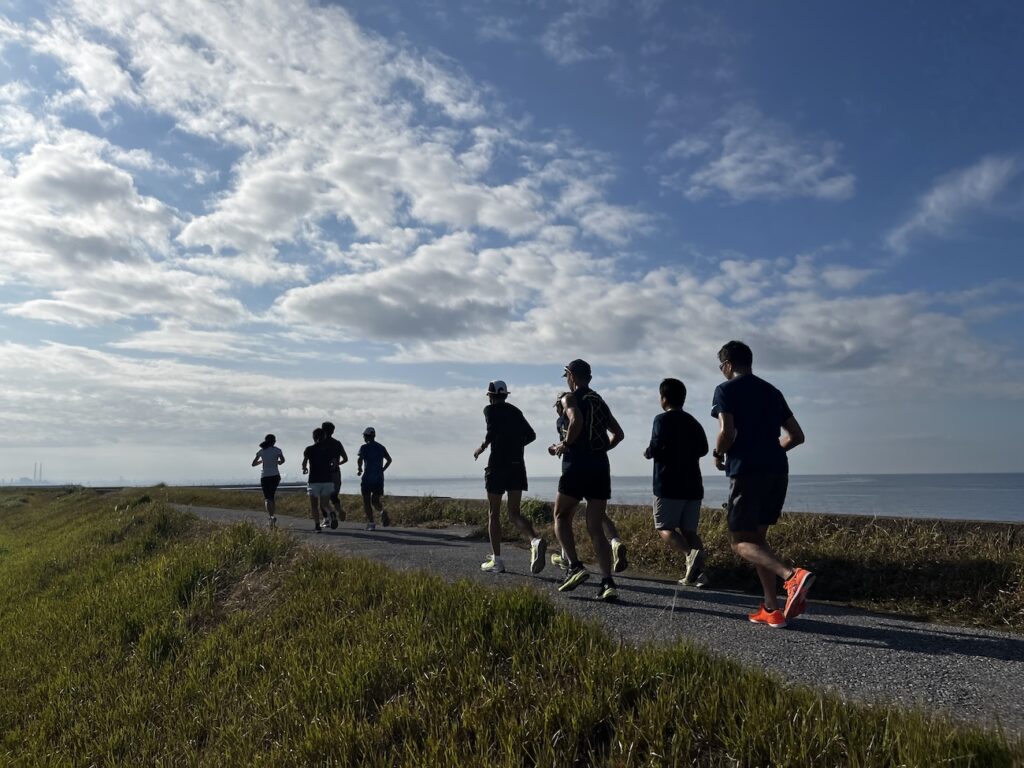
x=223 y=219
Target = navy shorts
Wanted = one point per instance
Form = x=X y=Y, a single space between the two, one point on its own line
x=505 y=477
x=756 y=500
x=376 y=487
x=269 y=485
x=586 y=476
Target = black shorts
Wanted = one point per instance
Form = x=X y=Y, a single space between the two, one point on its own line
x=587 y=476
x=336 y=479
x=505 y=477
x=756 y=500
x=269 y=485
x=374 y=487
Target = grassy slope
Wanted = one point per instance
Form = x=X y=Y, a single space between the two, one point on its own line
x=144 y=637
x=952 y=571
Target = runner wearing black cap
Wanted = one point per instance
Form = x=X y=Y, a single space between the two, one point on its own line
x=338 y=457
x=508 y=433
x=373 y=461
x=585 y=475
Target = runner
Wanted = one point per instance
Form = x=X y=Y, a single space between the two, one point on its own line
x=271 y=457
x=677 y=444
x=316 y=462
x=620 y=561
x=750 y=412
x=585 y=475
x=508 y=433
x=338 y=457
x=371 y=464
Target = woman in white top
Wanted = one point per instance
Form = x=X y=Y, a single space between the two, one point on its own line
x=271 y=457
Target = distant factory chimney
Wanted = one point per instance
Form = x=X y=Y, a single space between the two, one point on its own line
x=35 y=471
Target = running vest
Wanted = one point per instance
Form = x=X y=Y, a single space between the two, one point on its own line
x=596 y=417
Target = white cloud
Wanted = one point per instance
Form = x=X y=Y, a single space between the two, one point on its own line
x=564 y=39
x=748 y=156
x=954 y=197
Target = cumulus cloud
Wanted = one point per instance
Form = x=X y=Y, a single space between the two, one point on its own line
x=747 y=155
x=953 y=198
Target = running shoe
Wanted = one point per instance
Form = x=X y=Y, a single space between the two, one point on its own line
x=694 y=561
x=559 y=562
x=762 y=615
x=574 y=576
x=493 y=564
x=318 y=529
x=619 y=560
x=607 y=590
x=371 y=526
x=325 y=522
x=384 y=519
x=273 y=521
x=334 y=521
x=537 y=552
x=797 y=586
x=699 y=582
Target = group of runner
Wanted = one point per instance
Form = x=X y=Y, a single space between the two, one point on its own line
x=321 y=462
x=751 y=414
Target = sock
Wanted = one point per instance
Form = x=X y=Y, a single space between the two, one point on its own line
x=616 y=541
x=535 y=542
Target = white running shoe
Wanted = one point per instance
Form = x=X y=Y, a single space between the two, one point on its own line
x=493 y=564
x=371 y=526
x=273 y=521
x=537 y=552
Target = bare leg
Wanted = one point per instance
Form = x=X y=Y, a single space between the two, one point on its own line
x=314 y=509
x=494 y=522
x=675 y=541
x=565 y=507
x=603 y=549
x=608 y=525
x=515 y=499
x=367 y=506
x=753 y=547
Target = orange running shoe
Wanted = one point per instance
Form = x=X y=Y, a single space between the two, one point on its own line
x=772 y=618
x=797 y=587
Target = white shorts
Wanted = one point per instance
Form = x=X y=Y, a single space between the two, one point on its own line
x=319 y=490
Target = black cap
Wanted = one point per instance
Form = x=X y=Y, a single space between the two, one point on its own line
x=578 y=368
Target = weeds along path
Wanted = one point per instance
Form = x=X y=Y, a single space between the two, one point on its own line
x=972 y=675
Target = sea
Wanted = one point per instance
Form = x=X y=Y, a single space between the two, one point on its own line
x=998 y=497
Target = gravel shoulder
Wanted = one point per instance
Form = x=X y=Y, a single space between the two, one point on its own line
x=974 y=675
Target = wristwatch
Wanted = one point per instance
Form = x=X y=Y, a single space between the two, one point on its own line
x=716 y=455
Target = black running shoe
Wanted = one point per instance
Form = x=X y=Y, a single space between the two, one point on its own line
x=607 y=590
x=576 y=575
x=334 y=521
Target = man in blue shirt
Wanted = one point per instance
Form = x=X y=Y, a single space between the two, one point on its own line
x=373 y=460
x=750 y=413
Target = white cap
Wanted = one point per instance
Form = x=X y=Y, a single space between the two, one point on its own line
x=498 y=387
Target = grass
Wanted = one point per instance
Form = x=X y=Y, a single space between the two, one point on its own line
x=145 y=637
x=956 y=572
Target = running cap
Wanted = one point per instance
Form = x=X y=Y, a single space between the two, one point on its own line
x=498 y=387
x=369 y=432
x=578 y=368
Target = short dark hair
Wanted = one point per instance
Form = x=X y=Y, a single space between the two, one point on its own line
x=328 y=428
x=674 y=392
x=737 y=353
x=318 y=435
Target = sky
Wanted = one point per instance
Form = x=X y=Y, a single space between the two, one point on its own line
x=222 y=219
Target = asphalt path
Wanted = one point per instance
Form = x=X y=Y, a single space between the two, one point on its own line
x=972 y=675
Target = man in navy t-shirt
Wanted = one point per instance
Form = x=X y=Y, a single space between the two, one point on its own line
x=373 y=460
x=751 y=413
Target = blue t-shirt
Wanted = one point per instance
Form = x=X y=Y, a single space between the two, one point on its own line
x=759 y=410
x=373 y=455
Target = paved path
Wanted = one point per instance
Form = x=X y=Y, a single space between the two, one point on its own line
x=974 y=675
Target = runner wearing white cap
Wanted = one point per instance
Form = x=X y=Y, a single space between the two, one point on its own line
x=508 y=433
x=373 y=460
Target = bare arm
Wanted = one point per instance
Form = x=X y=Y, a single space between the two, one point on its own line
x=387 y=462
x=617 y=434
x=359 y=465
x=575 y=427
x=794 y=434
x=726 y=437
x=258 y=460
x=344 y=456
x=280 y=460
